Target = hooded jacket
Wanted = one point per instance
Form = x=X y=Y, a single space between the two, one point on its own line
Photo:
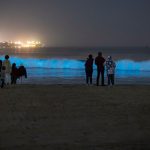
x=110 y=66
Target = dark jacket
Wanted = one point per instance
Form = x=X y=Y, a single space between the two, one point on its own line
x=99 y=62
x=22 y=71
x=89 y=64
x=14 y=71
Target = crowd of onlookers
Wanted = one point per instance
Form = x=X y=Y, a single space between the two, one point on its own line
x=10 y=73
x=101 y=64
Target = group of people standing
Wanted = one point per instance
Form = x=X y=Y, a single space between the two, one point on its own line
x=101 y=64
x=10 y=73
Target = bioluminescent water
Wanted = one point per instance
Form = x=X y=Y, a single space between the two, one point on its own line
x=74 y=69
x=126 y=65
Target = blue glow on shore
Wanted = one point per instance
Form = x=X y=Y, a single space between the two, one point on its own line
x=75 y=64
x=132 y=65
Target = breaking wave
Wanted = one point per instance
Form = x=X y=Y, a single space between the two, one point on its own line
x=76 y=64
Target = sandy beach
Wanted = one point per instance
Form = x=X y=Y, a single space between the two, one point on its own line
x=75 y=117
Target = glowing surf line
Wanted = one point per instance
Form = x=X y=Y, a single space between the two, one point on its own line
x=75 y=64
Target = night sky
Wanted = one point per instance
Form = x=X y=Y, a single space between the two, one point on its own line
x=77 y=22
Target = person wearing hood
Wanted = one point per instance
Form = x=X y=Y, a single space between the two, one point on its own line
x=110 y=68
x=89 y=69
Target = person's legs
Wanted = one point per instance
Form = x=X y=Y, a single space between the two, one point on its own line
x=108 y=76
x=98 y=75
x=91 y=80
x=8 y=78
x=12 y=79
x=2 y=83
x=91 y=72
x=112 y=79
x=87 y=79
x=15 y=80
x=102 y=77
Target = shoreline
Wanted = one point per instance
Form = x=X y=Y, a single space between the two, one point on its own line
x=74 y=117
x=80 y=81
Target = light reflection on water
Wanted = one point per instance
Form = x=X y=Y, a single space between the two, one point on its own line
x=77 y=76
x=75 y=73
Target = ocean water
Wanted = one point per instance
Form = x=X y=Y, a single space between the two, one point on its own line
x=66 y=66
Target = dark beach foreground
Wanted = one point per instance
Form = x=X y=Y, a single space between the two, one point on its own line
x=75 y=117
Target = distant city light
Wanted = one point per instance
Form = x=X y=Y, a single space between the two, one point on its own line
x=20 y=44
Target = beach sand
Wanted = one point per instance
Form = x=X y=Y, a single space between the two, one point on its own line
x=75 y=117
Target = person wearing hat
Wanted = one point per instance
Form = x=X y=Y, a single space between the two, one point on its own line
x=7 y=65
x=110 y=69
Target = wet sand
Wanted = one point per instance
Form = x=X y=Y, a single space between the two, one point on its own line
x=75 y=117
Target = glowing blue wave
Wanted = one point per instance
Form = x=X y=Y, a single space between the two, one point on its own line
x=132 y=65
x=47 y=63
x=75 y=64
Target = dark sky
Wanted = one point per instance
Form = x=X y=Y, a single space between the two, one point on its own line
x=77 y=22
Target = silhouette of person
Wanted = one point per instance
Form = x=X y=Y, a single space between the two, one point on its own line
x=22 y=71
x=14 y=74
x=89 y=69
x=110 y=69
x=99 y=62
x=2 y=76
x=7 y=65
x=0 y=65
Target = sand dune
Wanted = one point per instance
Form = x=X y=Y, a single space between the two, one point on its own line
x=66 y=117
